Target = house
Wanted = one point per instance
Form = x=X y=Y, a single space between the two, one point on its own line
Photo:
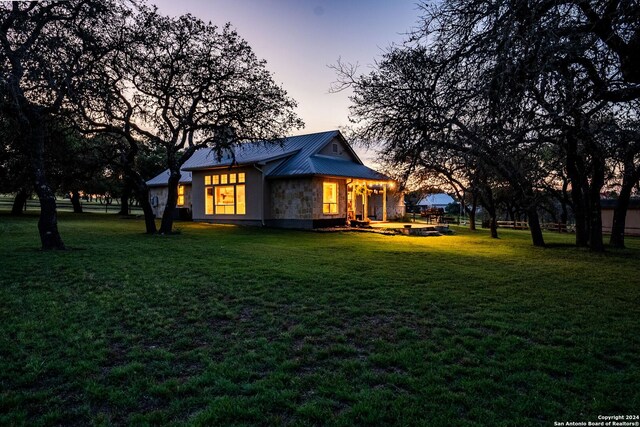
x=632 y=220
x=435 y=201
x=158 y=189
x=305 y=181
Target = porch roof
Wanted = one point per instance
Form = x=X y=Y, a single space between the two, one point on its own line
x=329 y=166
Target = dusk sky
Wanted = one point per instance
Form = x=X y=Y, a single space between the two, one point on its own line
x=299 y=38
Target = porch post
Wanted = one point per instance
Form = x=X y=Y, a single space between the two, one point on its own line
x=365 y=201
x=384 y=202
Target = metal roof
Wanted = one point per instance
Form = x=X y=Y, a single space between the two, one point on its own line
x=162 y=178
x=439 y=199
x=330 y=166
x=300 y=154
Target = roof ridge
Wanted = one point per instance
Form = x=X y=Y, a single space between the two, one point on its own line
x=328 y=157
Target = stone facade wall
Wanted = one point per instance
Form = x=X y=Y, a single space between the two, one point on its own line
x=301 y=199
x=291 y=199
x=317 y=189
x=395 y=205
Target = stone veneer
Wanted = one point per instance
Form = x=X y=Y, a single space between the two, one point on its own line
x=395 y=205
x=301 y=199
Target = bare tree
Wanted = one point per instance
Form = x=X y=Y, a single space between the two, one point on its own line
x=45 y=49
x=503 y=81
x=422 y=104
x=182 y=84
x=627 y=158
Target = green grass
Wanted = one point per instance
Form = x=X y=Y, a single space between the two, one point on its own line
x=228 y=325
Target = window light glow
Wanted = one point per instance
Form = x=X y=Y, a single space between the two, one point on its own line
x=180 y=195
x=223 y=196
x=329 y=198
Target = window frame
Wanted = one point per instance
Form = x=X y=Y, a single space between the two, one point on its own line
x=212 y=191
x=330 y=205
x=180 y=198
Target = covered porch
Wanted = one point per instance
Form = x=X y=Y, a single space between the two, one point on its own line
x=367 y=199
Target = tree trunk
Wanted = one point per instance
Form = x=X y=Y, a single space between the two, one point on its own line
x=48 y=223
x=142 y=194
x=630 y=178
x=577 y=197
x=534 y=227
x=564 y=203
x=75 y=201
x=149 y=217
x=20 y=202
x=493 y=224
x=166 y=225
x=139 y=185
x=596 y=243
x=619 y=222
x=489 y=204
x=472 y=212
x=124 y=198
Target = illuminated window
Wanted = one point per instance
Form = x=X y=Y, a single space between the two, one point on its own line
x=208 y=201
x=329 y=198
x=225 y=200
x=224 y=196
x=180 y=195
x=207 y=180
x=240 y=206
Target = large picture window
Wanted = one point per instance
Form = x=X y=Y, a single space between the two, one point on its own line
x=329 y=198
x=225 y=199
x=225 y=194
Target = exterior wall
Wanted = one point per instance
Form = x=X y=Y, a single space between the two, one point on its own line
x=297 y=203
x=158 y=199
x=253 y=197
x=160 y=194
x=395 y=205
x=291 y=199
x=632 y=222
x=342 y=153
x=289 y=203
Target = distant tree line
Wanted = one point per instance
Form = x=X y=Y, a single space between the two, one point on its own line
x=534 y=102
x=99 y=87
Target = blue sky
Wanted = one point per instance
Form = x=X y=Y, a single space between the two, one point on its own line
x=300 y=38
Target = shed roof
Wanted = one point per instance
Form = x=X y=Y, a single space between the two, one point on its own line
x=439 y=199
x=162 y=178
x=300 y=154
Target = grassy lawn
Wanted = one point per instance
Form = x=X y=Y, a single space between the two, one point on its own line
x=227 y=325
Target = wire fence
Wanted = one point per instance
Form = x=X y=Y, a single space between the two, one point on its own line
x=64 y=205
